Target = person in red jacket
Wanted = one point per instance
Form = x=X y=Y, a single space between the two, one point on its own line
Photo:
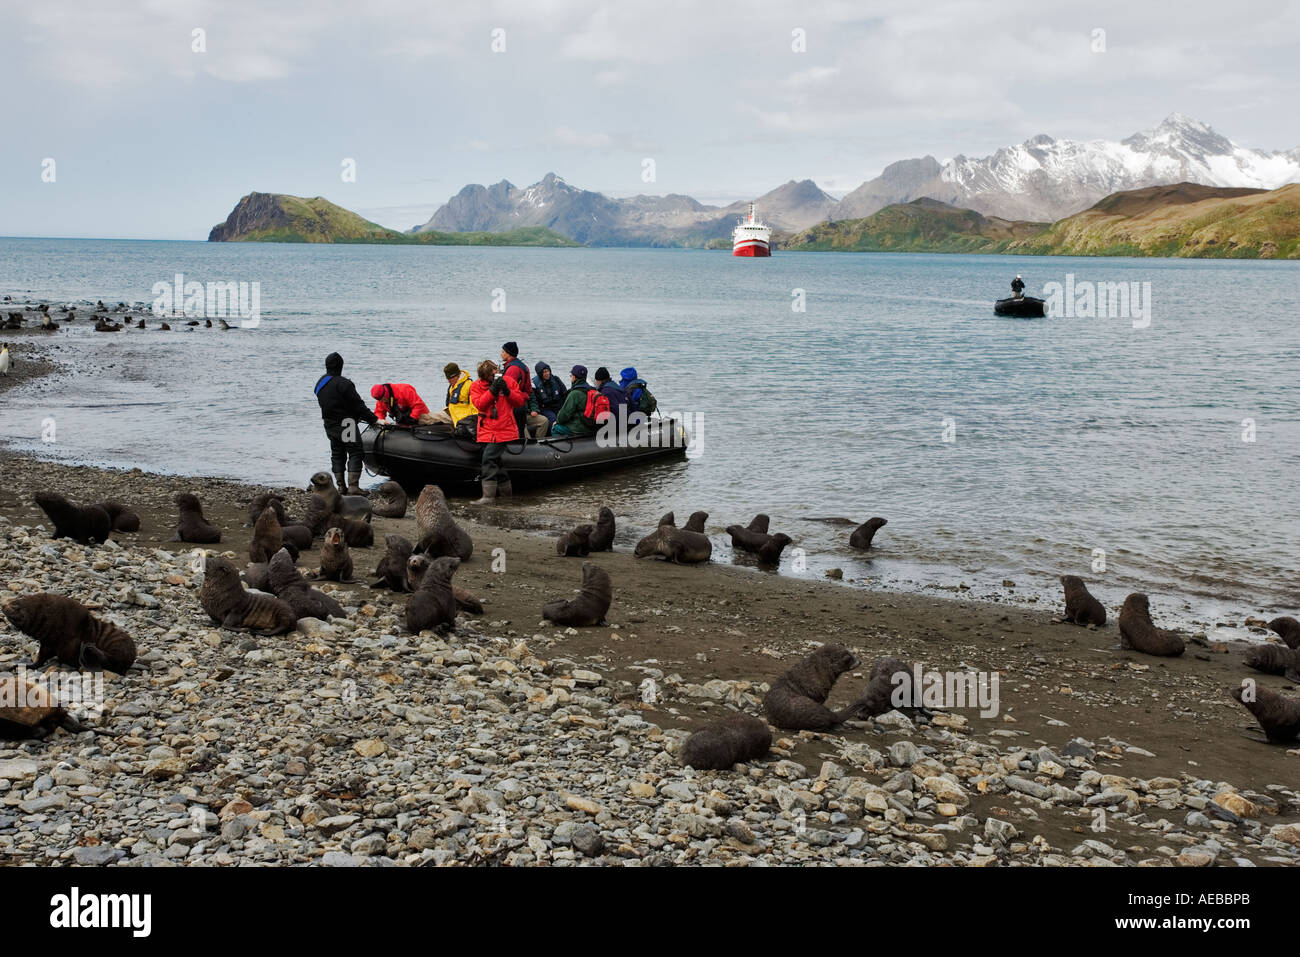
x=400 y=401
x=496 y=398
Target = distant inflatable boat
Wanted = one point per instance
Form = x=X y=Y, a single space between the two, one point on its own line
x=1026 y=307
x=415 y=457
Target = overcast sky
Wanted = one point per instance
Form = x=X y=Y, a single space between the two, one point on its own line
x=153 y=139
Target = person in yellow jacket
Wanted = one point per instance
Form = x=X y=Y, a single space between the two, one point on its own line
x=458 y=402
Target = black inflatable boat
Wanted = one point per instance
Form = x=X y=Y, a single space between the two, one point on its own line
x=1026 y=307
x=415 y=457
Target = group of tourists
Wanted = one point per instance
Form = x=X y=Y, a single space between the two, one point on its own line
x=502 y=404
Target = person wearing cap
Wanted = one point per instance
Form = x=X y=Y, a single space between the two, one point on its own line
x=1018 y=287
x=617 y=397
x=458 y=404
x=400 y=402
x=548 y=392
x=343 y=411
x=569 y=419
x=514 y=367
x=496 y=398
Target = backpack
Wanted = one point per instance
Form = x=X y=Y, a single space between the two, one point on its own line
x=640 y=398
x=597 y=408
x=525 y=380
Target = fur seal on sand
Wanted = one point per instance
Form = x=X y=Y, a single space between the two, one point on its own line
x=268 y=538
x=335 y=559
x=124 y=520
x=439 y=533
x=720 y=744
x=418 y=564
x=796 y=699
x=299 y=536
x=224 y=599
x=576 y=542
x=1288 y=629
x=356 y=533
x=591 y=603
x=433 y=606
x=288 y=585
x=391 y=570
x=1273 y=660
x=191 y=525
x=1277 y=714
x=355 y=507
x=1080 y=607
x=86 y=525
x=68 y=631
x=667 y=518
x=264 y=500
x=602 y=536
x=320 y=509
x=696 y=522
x=389 y=501
x=878 y=697
x=862 y=535
x=676 y=545
x=1137 y=631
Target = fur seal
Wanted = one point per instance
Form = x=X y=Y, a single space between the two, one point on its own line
x=123 y=519
x=1273 y=660
x=258 y=576
x=667 y=518
x=40 y=714
x=1277 y=714
x=439 y=533
x=796 y=699
x=878 y=697
x=335 y=559
x=575 y=543
x=68 y=631
x=229 y=605
x=264 y=500
x=601 y=538
x=355 y=507
x=720 y=744
x=389 y=501
x=862 y=535
x=356 y=533
x=268 y=538
x=418 y=564
x=288 y=585
x=86 y=525
x=1288 y=629
x=696 y=522
x=754 y=538
x=591 y=604
x=391 y=570
x=191 y=525
x=1136 y=630
x=320 y=509
x=770 y=553
x=1080 y=607
x=676 y=545
x=433 y=606
x=299 y=536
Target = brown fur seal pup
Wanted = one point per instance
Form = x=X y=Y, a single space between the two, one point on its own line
x=1080 y=607
x=123 y=519
x=747 y=539
x=258 y=576
x=667 y=518
x=439 y=533
x=1288 y=629
x=1136 y=630
x=1277 y=714
x=419 y=563
x=288 y=585
x=335 y=559
x=355 y=507
x=770 y=553
x=676 y=545
x=601 y=538
x=796 y=700
x=591 y=604
x=730 y=740
x=320 y=509
x=39 y=715
x=389 y=501
x=88 y=525
x=299 y=536
x=264 y=500
x=191 y=525
x=862 y=535
x=391 y=570
x=877 y=697
x=224 y=599
x=759 y=523
x=433 y=606
x=696 y=522
x=268 y=538
x=1273 y=660
x=68 y=631
x=575 y=543
x=356 y=533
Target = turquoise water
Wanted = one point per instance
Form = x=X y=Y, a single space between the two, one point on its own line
x=1068 y=435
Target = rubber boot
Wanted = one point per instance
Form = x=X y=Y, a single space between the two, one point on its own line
x=339 y=483
x=489 y=493
x=354 y=483
x=503 y=489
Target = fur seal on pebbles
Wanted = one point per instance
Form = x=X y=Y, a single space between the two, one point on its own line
x=418 y=564
x=191 y=525
x=1137 y=631
x=299 y=536
x=40 y=714
x=602 y=536
x=268 y=538
x=1080 y=607
x=258 y=576
x=1273 y=660
x=67 y=630
x=796 y=699
x=676 y=545
x=86 y=525
x=229 y=605
x=439 y=533
x=432 y=605
x=862 y=535
x=335 y=559
x=290 y=587
x=355 y=507
x=1277 y=714
x=730 y=740
x=356 y=533
x=264 y=500
x=1288 y=629
x=123 y=519
x=576 y=542
x=878 y=697
x=696 y=522
x=391 y=570
x=591 y=603
x=389 y=501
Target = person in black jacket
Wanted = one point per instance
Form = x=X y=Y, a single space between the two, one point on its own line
x=1018 y=287
x=343 y=412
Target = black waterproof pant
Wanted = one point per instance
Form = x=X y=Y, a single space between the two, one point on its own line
x=491 y=470
x=343 y=453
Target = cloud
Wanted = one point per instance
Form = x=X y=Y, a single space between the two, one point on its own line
x=566 y=138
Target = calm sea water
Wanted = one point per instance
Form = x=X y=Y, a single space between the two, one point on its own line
x=1067 y=435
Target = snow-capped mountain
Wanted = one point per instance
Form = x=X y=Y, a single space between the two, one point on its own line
x=1045 y=179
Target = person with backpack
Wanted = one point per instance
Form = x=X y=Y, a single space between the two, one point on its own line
x=343 y=411
x=616 y=396
x=581 y=406
x=513 y=367
x=401 y=403
x=496 y=397
x=549 y=392
x=639 y=398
